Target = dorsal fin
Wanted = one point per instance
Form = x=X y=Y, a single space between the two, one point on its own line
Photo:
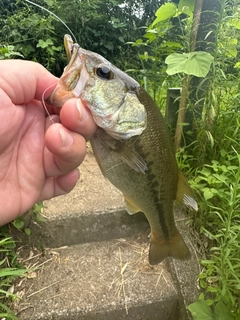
x=184 y=193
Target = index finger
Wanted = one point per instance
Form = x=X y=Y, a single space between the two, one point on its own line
x=24 y=81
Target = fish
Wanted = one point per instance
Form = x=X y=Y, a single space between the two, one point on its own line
x=132 y=145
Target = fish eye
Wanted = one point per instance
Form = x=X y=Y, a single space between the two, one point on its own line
x=104 y=72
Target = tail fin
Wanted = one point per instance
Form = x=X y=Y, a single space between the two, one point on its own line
x=174 y=247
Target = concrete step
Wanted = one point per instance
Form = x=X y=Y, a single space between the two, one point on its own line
x=100 y=280
x=96 y=265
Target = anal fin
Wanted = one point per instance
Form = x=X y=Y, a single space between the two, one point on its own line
x=131 y=207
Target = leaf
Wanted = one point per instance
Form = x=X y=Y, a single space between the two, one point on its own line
x=121 y=39
x=27 y=231
x=171 y=44
x=230 y=47
x=38 y=207
x=7 y=312
x=237 y=65
x=18 y=223
x=186 y=6
x=44 y=44
x=49 y=2
x=221 y=312
x=200 y=310
x=207 y=193
x=9 y=272
x=195 y=63
x=235 y=23
x=165 y=12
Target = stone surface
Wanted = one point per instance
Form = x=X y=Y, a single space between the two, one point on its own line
x=100 y=280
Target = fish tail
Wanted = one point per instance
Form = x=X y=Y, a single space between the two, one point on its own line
x=174 y=247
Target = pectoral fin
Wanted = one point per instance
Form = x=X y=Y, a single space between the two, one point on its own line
x=184 y=193
x=131 y=208
x=133 y=159
x=129 y=156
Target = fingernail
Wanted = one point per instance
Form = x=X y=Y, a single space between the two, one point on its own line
x=67 y=139
x=82 y=112
x=78 y=173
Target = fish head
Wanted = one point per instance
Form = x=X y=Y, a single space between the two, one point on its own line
x=110 y=94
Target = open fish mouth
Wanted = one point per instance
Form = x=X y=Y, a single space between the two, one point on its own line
x=74 y=77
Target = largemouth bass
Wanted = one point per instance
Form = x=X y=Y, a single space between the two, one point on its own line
x=132 y=145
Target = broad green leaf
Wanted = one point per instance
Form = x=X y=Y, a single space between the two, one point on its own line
x=207 y=193
x=121 y=39
x=195 y=63
x=7 y=52
x=150 y=36
x=171 y=44
x=18 y=223
x=231 y=47
x=237 y=65
x=221 y=312
x=186 y=6
x=44 y=44
x=49 y=2
x=200 y=310
x=235 y=23
x=212 y=289
x=27 y=231
x=165 y=12
x=38 y=206
x=56 y=48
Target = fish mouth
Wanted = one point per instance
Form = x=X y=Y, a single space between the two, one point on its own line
x=74 y=77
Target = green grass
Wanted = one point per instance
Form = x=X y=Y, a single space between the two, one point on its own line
x=217 y=184
x=9 y=270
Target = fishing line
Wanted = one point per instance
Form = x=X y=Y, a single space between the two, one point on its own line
x=53 y=14
x=44 y=104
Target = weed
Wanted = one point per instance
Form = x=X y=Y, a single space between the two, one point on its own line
x=217 y=185
x=8 y=272
x=9 y=265
x=34 y=214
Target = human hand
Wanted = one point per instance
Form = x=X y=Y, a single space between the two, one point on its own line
x=38 y=159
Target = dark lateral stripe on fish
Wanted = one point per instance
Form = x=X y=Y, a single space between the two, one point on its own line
x=162 y=221
x=155 y=193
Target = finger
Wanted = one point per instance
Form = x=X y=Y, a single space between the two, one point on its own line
x=60 y=185
x=21 y=88
x=65 y=150
x=51 y=120
x=77 y=117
